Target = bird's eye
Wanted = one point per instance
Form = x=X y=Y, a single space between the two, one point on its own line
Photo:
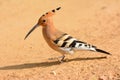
x=44 y=20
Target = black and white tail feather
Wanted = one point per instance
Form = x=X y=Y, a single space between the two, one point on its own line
x=69 y=44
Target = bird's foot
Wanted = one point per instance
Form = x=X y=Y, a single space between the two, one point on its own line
x=65 y=60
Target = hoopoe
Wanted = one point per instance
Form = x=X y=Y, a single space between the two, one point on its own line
x=58 y=40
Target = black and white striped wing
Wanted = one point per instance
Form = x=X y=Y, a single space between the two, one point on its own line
x=67 y=41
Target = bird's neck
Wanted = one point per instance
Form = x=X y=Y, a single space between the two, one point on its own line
x=49 y=31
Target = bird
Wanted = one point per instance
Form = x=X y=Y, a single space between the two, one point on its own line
x=61 y=41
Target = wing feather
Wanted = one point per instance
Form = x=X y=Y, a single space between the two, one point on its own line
x=67 y=41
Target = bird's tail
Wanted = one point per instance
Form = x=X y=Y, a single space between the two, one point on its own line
x=102 y=51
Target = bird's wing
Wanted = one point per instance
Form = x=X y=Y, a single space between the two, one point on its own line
x=67 y=41
x=69 y=44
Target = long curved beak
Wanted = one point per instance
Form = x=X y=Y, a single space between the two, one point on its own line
x=31 y=31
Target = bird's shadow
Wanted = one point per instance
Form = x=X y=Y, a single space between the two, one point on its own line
x=44 y=64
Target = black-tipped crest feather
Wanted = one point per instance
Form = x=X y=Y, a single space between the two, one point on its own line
x=58 y=8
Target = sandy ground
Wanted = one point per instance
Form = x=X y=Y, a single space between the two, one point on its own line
x=93 y=21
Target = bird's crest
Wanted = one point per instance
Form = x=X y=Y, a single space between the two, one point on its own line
x=52 y=12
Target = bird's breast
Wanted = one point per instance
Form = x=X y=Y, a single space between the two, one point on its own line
x=48 y=38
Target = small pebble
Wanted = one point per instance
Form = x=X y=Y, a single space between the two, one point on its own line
x=53 y=72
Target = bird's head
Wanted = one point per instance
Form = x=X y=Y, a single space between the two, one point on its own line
x=44 y=20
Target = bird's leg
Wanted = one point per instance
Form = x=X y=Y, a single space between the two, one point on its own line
x=63 y=57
